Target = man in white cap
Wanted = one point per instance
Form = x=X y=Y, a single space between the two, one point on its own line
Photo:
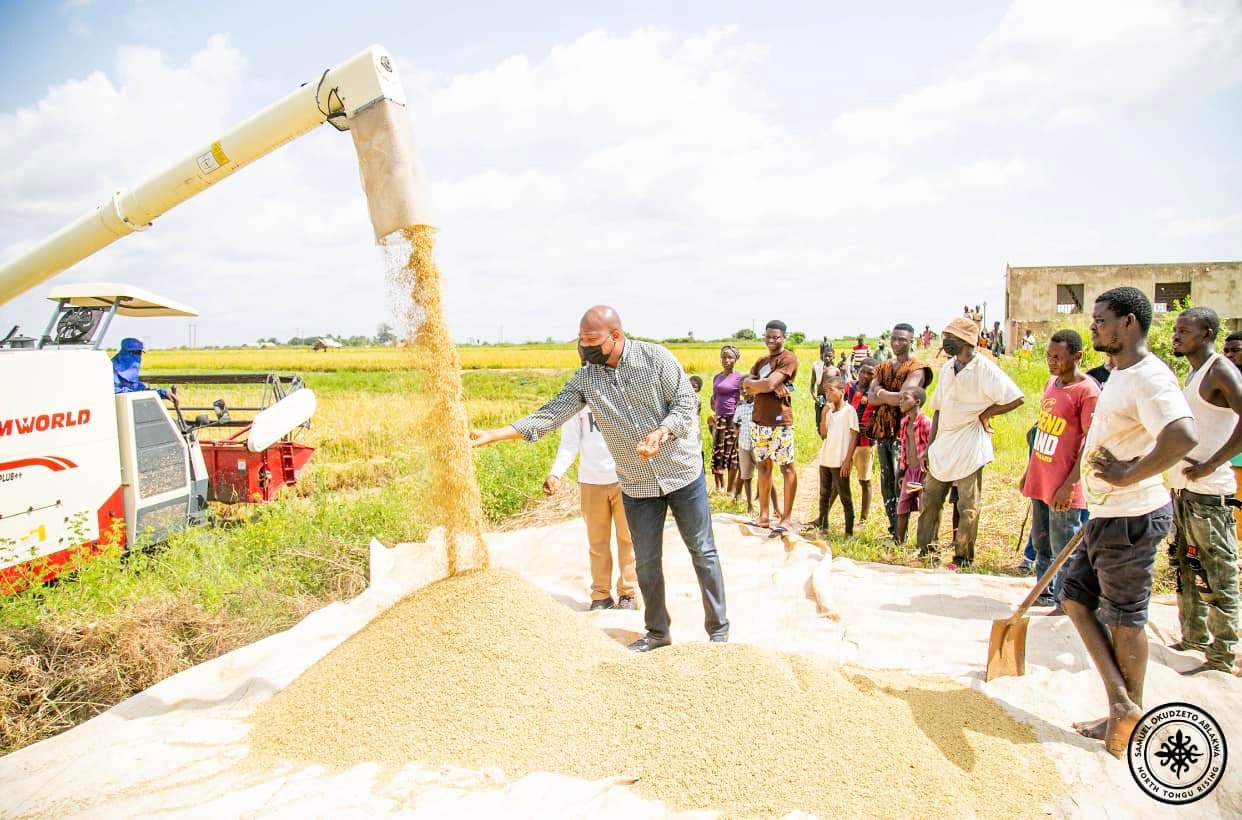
x=972 y=391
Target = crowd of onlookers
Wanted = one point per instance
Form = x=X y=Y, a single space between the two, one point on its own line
x=869 y=407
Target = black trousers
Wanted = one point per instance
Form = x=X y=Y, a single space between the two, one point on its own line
x=831 y=487
x=890 y=478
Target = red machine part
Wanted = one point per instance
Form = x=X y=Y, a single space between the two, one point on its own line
x=237 y=476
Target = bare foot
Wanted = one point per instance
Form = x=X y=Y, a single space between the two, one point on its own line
x=1120 y=727
x=786 y=523
x=1094 y=729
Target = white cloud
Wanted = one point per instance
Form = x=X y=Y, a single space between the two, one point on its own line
x=85 y=135
x=1057 y=62
x=1073 y=116
x=1177 y=226
x=643 y=169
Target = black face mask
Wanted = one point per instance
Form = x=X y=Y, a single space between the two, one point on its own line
x=952 y=346
x=594 y=354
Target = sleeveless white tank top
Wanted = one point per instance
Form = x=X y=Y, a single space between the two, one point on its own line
x=1215 y=427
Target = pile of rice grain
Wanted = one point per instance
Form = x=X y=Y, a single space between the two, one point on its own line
x=484 y=669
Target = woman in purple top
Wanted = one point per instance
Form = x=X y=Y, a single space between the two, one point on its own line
x=726 y=387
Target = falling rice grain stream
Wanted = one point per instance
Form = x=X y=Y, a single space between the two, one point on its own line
x=446 y=431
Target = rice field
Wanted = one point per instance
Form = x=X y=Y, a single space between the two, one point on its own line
x=388 y=359
x=258 y=569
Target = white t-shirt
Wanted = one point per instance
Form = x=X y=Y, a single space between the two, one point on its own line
x=962 y=445
x=837 y=443
x=1135 y=405
x=581 y=433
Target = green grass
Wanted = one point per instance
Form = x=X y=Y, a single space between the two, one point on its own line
x=261 y=568
x=372 y=479
x=369 y=479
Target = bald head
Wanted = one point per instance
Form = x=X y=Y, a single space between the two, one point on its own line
x=601 y=319
x=600 y=338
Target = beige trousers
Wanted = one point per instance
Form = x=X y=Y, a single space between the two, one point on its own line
x=601 y=509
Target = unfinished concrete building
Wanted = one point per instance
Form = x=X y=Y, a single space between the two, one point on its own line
x=1044 y=298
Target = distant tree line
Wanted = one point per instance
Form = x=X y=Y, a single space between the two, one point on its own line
x=384 y=336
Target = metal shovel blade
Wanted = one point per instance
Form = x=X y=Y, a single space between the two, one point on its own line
x=1007 y=648
x=1007 y=644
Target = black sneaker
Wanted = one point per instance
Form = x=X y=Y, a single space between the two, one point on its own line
x=602 y=603
x=647 y=643
x=722 y=638
x=626 y=602
x=1045 y=600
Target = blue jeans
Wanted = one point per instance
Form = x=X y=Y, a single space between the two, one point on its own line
x=694 y=521
x=1029 y=552
x=1050 y=532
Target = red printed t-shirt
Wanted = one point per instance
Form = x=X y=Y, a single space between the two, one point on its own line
x=770 y=410
x=1064 y=418
x=862 y=406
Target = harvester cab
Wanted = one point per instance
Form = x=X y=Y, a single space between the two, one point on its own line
x=81 y=465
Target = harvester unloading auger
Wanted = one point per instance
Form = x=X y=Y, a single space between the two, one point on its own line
x=75 y=459
x=363 y=95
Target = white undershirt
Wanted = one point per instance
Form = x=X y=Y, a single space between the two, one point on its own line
x=580 y=434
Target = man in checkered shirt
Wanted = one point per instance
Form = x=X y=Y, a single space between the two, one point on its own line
x=645 y=408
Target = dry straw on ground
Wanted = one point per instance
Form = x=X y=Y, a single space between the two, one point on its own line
x=55 y=675
x=484 y=669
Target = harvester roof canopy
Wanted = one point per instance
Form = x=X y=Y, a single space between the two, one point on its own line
x=134 y=300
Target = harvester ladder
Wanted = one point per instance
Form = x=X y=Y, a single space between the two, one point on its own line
x=286 y=463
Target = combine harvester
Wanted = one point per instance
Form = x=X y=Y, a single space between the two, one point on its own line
x=80 y=467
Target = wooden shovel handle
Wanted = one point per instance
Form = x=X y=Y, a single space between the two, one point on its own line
x=1049 y=573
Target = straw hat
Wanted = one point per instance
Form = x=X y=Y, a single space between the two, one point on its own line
x=964 y=329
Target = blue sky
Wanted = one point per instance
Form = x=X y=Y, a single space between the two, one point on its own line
x=701 y=167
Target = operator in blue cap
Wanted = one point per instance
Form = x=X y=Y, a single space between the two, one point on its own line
x=125 y=366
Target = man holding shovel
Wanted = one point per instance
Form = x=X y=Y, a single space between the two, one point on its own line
x=1142 y=427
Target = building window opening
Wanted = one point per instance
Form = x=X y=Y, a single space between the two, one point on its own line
x=1069 y=298
x=1169 y=295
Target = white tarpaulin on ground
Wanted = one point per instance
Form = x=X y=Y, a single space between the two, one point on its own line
x=180 y=747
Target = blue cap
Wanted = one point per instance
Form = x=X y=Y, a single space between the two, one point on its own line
x=131 y=345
